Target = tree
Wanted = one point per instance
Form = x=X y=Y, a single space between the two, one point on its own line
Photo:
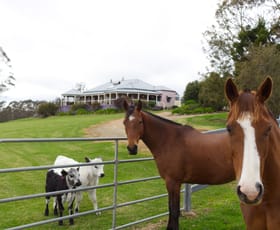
x=245 y=45
x=47 y=109
x=191 y=91
x=233 y=17
x=6 y=76
x=211 y=92
x=261 y=62
x=248 y=36
x=18 y=109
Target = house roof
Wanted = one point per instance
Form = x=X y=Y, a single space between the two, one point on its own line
x=72 y=92
x=129 y=85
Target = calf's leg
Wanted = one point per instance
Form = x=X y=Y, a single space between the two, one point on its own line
x=92 y=196
x=70 y=207
x=60 y=208
x=47 y=206
x=79 y=197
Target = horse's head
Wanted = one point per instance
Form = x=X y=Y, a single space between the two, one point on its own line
x=249 y=126
x=133 y=123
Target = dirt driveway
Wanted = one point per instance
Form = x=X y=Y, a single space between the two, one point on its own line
x=115 y=128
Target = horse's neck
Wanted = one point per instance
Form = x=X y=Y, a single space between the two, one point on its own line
x=154 y=131
x=273 y=161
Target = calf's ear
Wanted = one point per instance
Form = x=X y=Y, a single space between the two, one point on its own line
x=87 y=159
x=63 y=172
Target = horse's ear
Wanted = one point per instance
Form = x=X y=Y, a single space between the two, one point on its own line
x=87 y=159
x=139 y=105
x=231 y=90
x=125 y=105
x=264 y=90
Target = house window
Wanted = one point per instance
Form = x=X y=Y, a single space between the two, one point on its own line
x=168 y=99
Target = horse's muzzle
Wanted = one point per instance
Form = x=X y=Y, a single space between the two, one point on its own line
x=132 y=150
x=244 y=198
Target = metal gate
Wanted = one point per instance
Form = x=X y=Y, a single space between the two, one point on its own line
x=187 y=189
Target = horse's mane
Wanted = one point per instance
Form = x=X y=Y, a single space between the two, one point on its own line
x=167 y=120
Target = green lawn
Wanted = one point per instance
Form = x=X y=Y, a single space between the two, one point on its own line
x=215 y=207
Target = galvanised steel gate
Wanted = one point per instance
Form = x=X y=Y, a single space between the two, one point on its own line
x=187 y=190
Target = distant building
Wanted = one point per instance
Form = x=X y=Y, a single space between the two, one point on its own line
x=134 y=89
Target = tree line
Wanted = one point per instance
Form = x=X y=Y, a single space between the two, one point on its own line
x=243 y=44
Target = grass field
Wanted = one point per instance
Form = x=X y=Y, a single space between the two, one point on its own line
x=216 y=207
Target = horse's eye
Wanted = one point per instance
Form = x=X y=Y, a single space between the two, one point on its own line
x=229 y=128
x=140 y=122
x=96 y=166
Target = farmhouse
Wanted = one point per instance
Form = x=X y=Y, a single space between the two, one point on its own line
x=134 y=89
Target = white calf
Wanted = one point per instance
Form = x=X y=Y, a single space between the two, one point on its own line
x=89 y=176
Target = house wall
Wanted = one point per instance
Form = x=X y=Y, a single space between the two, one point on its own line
x=167 y=100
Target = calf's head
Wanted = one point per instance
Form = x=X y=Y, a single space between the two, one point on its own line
x=97 y=169
x=72 y=177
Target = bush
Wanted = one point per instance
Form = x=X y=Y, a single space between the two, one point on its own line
x=107 y=111
x=192 y=108
x=76 y=107
x=47 y=109
x=81 y=112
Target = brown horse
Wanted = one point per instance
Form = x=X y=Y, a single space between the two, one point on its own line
x=182 y=154
x=255 y=137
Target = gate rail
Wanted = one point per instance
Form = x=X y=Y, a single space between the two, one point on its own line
x=187 y=190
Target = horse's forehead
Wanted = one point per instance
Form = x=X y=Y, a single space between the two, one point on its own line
x=244 y=106
x=246 y=102
x=131 y=113
x=247 y=105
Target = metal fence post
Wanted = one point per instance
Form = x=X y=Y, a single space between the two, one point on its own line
x=187 y=198
x=115 y=185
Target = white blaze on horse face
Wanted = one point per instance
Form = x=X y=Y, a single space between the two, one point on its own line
x=131 y=118
x=250 y=174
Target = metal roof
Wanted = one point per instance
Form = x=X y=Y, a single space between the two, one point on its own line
x=129 y=85
x=72 y=92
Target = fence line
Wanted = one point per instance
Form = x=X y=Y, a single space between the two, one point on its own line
x=187 y=190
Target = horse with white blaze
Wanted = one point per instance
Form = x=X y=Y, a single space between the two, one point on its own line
x=89 y=176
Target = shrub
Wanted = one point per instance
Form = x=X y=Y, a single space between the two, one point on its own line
x=47 y=109
x=81 y=111
x=76 y=107
x=107 y=111
x=192 y=108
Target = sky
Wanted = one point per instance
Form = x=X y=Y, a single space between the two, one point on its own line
x=55 y=44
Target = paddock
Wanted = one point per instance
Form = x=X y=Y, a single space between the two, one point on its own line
x=116 y=184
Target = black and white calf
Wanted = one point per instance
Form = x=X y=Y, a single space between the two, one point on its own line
x=67 y=179
x=89 y=176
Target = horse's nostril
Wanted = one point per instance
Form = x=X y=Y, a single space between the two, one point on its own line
x=259 y=187
x=132 y=150
x=102 y=175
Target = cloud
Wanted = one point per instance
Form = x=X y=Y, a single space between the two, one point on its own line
x=55 y=44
